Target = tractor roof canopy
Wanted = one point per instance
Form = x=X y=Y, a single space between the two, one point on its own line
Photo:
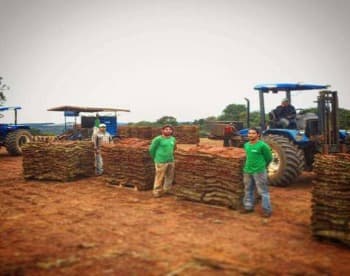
x=6 y=108
x=276 y=87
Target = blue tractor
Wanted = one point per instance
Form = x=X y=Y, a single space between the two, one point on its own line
x=294 y=146
x=13 y=136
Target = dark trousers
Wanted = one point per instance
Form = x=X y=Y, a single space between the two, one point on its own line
x=227 y=141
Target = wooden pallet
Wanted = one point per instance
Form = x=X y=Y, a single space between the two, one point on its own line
x=111 y=182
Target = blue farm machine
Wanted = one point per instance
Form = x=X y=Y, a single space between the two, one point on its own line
x=294 y=147
x=13 y=136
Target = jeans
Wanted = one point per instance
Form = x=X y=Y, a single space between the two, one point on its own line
x=258 y=180
x=98 y=163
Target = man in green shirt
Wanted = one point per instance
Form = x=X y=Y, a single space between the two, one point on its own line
x=162 y=152
x=258 y=157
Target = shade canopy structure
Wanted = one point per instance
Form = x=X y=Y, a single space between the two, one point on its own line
x=72 y=108
x=74 y=111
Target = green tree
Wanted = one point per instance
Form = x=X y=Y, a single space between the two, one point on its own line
x=3 y=87
x=309 y=110
x=238 y=112
x=204 y=125
x=167 y=120
x=233 y=112
x=254 y=119
x=344 y=118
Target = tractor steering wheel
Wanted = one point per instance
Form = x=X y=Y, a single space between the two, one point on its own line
x=273 y=116
x=300 y=111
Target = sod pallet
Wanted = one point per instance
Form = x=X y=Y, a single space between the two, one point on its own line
x=211 y=175
x=127 y=163
x=184 y=134
x=331 y=197
x=62 y=161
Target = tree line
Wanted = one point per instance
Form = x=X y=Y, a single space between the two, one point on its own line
x=238 y=113
x=232 y=112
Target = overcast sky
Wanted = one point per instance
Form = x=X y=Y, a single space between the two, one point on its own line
x=183 y=58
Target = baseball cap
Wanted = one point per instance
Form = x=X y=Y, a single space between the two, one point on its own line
x=102 y=125
x=167 y=125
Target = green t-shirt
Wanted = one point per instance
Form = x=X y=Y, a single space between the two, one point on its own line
x=162 y=149
x=258 y=157
x=97 y=122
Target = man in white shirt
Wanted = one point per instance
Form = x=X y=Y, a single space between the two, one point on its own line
x=99 y=138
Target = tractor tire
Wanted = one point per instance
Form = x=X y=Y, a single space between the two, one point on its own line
x=15 y=140
x=287 y=163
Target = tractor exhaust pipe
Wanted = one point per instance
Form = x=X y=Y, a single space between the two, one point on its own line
x=248 y=112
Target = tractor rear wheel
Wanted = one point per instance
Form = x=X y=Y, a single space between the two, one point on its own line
x=287 y=163
x=15 y=140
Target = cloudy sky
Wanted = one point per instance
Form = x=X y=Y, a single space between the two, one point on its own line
x=183 y=58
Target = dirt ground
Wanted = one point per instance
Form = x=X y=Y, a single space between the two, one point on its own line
x=88 y=227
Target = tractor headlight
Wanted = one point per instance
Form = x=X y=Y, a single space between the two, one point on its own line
x=299 y=136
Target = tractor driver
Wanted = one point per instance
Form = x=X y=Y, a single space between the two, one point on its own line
x=285 y=115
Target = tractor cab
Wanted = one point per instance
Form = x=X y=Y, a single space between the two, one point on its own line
x=285 y=88
x=307 y=126
x=10 y=108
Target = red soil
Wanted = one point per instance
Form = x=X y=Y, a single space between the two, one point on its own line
x=88 y=227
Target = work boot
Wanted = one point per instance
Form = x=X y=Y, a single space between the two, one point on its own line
x=156 y=195
x=266 y=215
x=246 y=211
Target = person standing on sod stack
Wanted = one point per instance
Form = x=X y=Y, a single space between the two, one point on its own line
x=162 y=152
x=258 y=157
x=96 y=124
x=99 y=138
x=228 y=132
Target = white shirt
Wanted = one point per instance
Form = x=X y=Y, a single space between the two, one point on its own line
x=100 y=138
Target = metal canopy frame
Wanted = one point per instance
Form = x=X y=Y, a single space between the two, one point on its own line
x=7 y=108
x=78 y=109
x=86 y=109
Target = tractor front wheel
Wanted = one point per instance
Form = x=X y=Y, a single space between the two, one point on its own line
x=15 y=140
x=287 y=163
